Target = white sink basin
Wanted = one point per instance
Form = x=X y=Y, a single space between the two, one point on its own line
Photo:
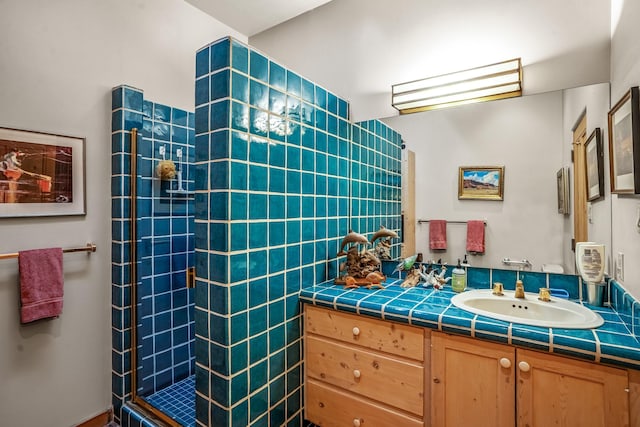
x=557 y=313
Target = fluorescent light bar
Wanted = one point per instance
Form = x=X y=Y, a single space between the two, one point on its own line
x=495 y=81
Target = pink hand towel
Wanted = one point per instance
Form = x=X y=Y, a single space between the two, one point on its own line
x=475 y=236
x=41 y=284
x=437 y=234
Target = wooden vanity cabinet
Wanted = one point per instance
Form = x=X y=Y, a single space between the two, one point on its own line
x=486 y=384
x=365 y=372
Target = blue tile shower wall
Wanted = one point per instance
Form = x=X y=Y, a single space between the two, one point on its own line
x=165 y=243
x=273 y=201
x=376 y=179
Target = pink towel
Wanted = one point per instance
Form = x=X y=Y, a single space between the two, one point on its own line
x=437 y=234
x=475 y=236
x=41 y=284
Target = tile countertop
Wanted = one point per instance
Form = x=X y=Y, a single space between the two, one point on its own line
x=612 y=343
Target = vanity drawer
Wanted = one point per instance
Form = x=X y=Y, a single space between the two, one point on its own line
x=328 y=407
x=373 y=375
x=403 y=340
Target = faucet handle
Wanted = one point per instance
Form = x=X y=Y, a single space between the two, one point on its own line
x=498 y=289
x=544 y=295
x=519 y=289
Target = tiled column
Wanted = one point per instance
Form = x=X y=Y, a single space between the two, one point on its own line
x=272 y=205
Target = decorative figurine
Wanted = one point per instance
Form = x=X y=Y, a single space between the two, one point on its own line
x=362 y=268
x=383 y=248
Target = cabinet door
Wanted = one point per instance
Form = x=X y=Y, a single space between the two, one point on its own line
x=472 y=383
x=557 y=391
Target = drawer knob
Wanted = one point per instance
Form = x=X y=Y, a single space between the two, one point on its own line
x=524 y=366
x=356 y=373
x=356 y=331
x=505 y=363
x=356 y=422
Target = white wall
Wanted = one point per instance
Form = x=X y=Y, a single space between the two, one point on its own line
x=625 y=73
x=523 y=134
x=360 y=48
x=593 y=99
x=58 y=63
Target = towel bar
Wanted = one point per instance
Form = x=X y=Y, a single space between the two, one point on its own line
x=420 y=221
x=89 y=248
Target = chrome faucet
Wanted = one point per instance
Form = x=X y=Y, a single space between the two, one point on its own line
x=519 y=290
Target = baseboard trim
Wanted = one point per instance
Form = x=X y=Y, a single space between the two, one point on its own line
x=99 y=420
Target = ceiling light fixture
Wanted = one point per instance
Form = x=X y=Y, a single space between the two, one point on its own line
x=487 y=83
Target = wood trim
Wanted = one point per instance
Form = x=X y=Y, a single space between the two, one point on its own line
x=409 y=206
x=634 y=397
x=427 y=377
x=99 y=420
x=580 y=228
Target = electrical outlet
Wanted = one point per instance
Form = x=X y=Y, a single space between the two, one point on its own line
x=620 y=267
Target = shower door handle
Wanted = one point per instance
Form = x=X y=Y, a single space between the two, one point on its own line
x=191 y=277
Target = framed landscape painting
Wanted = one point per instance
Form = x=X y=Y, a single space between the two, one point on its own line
x=624 y=143
x=41 y=174
x=595 y=166
x=481 y=182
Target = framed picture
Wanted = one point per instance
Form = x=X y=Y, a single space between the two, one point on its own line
x=624 y=144
x=481 y=182
x=595 y=166
x=562 y=177
x=41 y=174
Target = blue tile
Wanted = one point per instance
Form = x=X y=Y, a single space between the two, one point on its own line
x=239 y=87
x=238 y=236
x=506 y=277
x=277 y=154
x=258 y=178
x=258 y=122
x=308 y=90
x=219 y=115
x=239 y=56
x=570 y=283
x=276 y=206
x=276 y=233
x=293 y=230
x=332 y=103
x=239 y=116
x=239 y=146
x=258 y=95
x=257 y=235
x=277 y=76
x=258 y=66
x=219 y=53
x=239 y=356
x=533 y=281
x=239 y=174
x=219 y=85
x=258 y=264
x=277 y=183
x=276 y=260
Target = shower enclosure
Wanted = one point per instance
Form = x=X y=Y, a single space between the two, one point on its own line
x=282 y=175
x=153 y=221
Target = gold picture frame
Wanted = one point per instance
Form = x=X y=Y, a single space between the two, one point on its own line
x=481 y=182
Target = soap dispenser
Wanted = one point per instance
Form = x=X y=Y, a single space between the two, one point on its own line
x=458 y=278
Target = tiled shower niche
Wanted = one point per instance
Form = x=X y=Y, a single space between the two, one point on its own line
x=279 y=182
x=165 y=245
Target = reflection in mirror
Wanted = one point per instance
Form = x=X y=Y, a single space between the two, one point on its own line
x=531 y=138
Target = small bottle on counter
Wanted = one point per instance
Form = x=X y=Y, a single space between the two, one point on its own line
x=458 y=278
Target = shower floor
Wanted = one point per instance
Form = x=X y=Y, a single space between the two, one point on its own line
x=178 y=401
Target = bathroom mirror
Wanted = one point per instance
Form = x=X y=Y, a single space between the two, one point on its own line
x=531 y=137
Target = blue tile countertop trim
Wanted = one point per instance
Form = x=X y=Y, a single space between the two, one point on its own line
x=612 y=343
